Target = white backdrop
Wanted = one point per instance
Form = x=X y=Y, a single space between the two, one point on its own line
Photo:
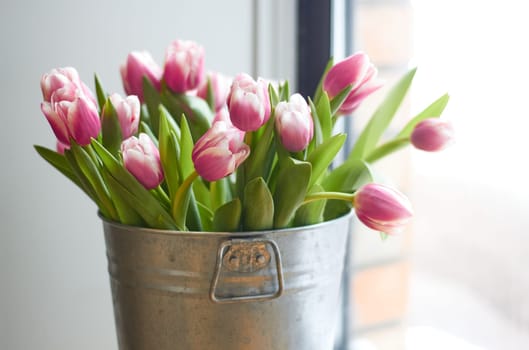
x=54 y=288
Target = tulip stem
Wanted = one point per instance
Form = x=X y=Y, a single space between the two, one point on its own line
x=162 y=195
x=387 y=148
x=349 y=197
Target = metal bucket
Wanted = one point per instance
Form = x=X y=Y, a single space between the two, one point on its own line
x=275 y=289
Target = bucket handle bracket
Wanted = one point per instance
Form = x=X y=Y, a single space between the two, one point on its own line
x=246 y=298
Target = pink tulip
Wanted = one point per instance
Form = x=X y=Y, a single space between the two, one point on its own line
x=184 y=66
x=432 y=135
x=294 y=123
x=220 y=86
x=249 y=103
x=128 y=112
x=139 y=64
x=219 y=152
x=382 y=208
x=77 y=119
x=357 y=71
x=142 y=159
x=60 y=78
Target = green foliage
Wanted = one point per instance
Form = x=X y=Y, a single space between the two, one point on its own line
x=268 y=191
x=291 y=187
x=110 y=128
x=258 y=207
x=381 y=119
x=132 y=192
x=227 y=217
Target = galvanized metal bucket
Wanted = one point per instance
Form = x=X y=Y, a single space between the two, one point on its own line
x=275 y=289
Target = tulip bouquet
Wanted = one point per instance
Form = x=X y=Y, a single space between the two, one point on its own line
x=190 y=150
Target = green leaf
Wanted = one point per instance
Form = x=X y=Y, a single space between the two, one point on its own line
x=432 y=111
x=186 y=148
x=220 y=193
x=255 y=165
x=382 y=117
x=339 y=99
x=196 y=110
x=59 y=162
x=290 y=190
x=258 y=206
x=84 y=181
x=193 y=220
x=284 y=91
x=181 y=201
x=323 y=155
x=325 y=115
x=319 y=88
x=91 y=172
x=100 y=93
x=318 y=133
x=206 y=217
x=274 y=97
x=110 y=128
x=210 y=97
x=126 y=213
x=346 y=178
x=227 y=218
x=152 y=100
x=132 y=191
x=169 y=154
x=311 y=213
x=202 y=193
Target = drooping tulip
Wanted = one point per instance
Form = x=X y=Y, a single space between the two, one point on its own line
x=184 y=66
x=432 y=135
x=220 y=86
x=142 y=159
x=382 y=208
x=248 y=103
x=294 y=123
x=139 y=64
x=63 y=80
x=128 y=113
x=219 y=152
x=77 y=119
x=357 y=71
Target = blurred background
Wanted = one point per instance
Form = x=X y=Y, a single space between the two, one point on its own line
x=456 y=279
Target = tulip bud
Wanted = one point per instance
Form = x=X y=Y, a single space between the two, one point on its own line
x=249 y=103
x=142 y=159
x=219 y=152
x=77 y=120
x=139 y=64
x=184 y=66
x=128 y=112
x=63 y=80
x=357 y=71
x=294 y=123
x=382 y=208
x=220 y=86
x=432 y=135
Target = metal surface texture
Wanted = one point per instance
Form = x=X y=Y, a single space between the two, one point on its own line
x=266 y=290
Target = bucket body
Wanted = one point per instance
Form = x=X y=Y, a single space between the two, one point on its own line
x=263 y=290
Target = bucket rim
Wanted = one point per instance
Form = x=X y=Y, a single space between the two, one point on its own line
x=238 y=234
